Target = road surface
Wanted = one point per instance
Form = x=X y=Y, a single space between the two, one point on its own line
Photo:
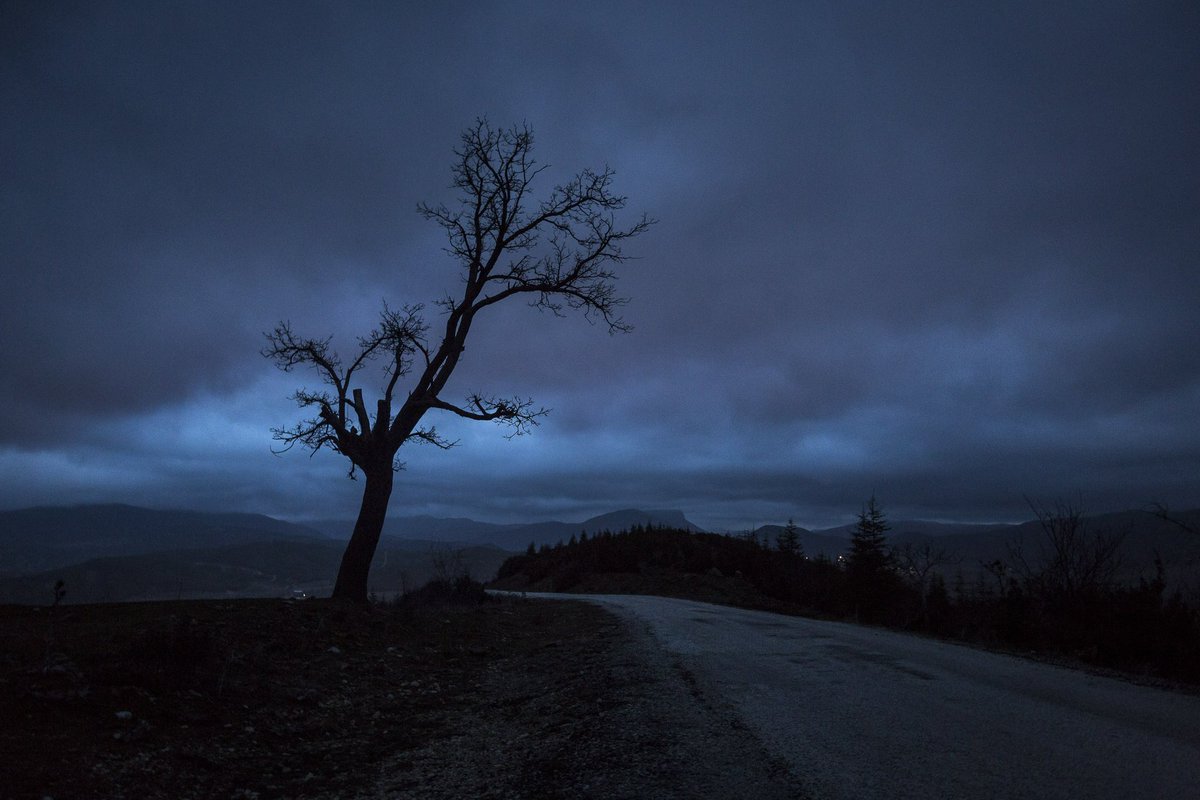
x=864 y=713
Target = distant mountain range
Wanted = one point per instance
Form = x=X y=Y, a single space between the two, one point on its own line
x=1146 y=536
x=33 y=539
x=515 y=537
x=120 y=552
x=258 y=569
x=833 y=542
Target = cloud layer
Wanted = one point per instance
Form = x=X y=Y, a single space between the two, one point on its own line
x=949 y=256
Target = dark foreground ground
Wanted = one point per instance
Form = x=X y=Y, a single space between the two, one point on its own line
x=263 y=699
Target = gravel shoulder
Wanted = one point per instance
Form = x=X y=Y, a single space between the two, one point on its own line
x=606 y=715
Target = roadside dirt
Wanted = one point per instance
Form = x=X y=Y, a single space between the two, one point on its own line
x=720 y=589
x=277 y=699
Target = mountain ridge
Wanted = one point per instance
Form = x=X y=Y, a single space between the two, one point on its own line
x=41 y=540
x=510 y=536
x=1146 y=536
x=36 y=542
x=44 y=537
x=254 y=569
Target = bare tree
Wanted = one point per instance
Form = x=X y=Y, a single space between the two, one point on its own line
x=1163 y=512
x=558 y=254
x=918 y=564
x=1074 y=562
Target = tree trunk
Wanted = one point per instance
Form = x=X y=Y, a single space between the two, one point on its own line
x=352 y=576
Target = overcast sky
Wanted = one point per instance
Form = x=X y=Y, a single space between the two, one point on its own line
x=946 y=253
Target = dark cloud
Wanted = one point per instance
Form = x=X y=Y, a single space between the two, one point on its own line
x=947 y=254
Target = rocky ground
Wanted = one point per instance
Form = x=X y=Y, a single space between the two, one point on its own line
x=262 y=699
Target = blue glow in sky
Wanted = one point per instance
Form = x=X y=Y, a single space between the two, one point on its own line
x=943 y=253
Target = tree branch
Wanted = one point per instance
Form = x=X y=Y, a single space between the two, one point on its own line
x=517 y=412
x=559 y=254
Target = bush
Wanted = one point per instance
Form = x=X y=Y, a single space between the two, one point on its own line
x=462 y=590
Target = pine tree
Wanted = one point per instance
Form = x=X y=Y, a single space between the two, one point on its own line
x=869 y=564
x=788 y=541
x=868 y=545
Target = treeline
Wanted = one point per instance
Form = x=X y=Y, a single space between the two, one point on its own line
x=1062 y=599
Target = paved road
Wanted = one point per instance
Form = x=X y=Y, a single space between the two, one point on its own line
x=863 y=713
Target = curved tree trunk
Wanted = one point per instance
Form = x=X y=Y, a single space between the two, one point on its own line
x=356 y=561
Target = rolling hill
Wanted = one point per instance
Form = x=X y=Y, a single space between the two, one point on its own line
x=513 y=536
x=36 y=539
x=257 y=569
x=116 y=553
x=1146 y=537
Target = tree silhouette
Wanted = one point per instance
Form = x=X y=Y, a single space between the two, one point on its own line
x=558 y=254
x=788 y=540
x=918 y=565
x=868 y=564
x=868 y=543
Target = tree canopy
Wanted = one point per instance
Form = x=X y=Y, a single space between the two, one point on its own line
x=558 y=253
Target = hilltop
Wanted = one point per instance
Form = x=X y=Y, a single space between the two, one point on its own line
x=507 y=536
x=1064 y=603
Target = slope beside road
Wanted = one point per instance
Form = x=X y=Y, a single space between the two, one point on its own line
x=864 y=713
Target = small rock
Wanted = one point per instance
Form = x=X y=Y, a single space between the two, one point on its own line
x=124 y=715
x=335 y=649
